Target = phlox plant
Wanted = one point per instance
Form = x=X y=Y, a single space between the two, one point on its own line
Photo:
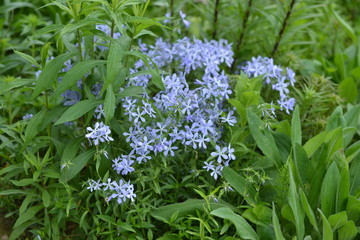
x=189 y=116
x=111 y=131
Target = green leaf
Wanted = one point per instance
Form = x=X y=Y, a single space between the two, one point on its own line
x=12 y=168
x=49 y=73
x=83 y=222
x=106 y=218
x=5 y=87
x=109 y=104
x=25 y=203
x=22 y=182
x=77 y=110
x=355 y=175
x=156 y=78
x=352 y=120
x=132 y=91
x=145 y=32
x=334 y=139
x=71 y=149
x=314 y=143
x=348 y=231
x=353 y=208
x=308 y=211
x=294 y=202
x=28 y=58
x=246 y=190
x=114 y=64
x=33 y=128
x=336 y=119
x=164 y=213
x=343 y=23
x=348 y=134
x=317 y=179
x=82 y=23
x=343 y=189
x=20 y=229
x=240 y=109
x=61 y=6
x=250 y=98
x=14 y=5
x=304 y=166
x=337 y=220
x=41 y=120
x=48 y=29
x=263 y=138
x=27 y=215
x=262 y=213
x=12 y=191
x=296 y=127
x=348 y=90
x=243 y=228
x=329 y=190
x=125 y=226
x=46 y=198
x=76 y=165
x=75 y=74
x=327 y=232
x=44 y=52
x=276 y=224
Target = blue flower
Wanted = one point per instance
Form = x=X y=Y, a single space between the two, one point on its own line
x=221 y=153
x=100 y=133
x=186 y=22
x=71 y=97
x=27 y=116
x=123 y=165
x=99 y=112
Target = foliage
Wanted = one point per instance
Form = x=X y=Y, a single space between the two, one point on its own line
x=195 y=119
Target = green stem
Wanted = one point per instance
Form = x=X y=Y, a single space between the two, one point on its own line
x=216 y=13
x=129 y=48
x=284 y=24
x=48 y=128
x=79 y=43
x=112 y=28
x=171 y=22
x=242 y=34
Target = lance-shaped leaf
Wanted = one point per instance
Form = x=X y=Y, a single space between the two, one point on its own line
x=75 y=165
x=49 y=73
x=294 y=202
x=243 y=228
x=77 y=110
x=75 y=74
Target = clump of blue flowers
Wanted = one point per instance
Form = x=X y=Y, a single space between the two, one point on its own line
x=190 y=114
x=194 y=114
x=279 y=79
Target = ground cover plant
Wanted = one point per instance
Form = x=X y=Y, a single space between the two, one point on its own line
x=195 y=119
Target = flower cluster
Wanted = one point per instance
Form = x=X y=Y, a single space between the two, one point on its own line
x=279 y=78
x=223 y=157
x=120 y=190
x=189 y=114
x=100 y=133
x=186 y=22
x=190 y=55
x=193 y=114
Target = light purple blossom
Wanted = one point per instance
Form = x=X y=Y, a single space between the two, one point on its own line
x=100 y=133
x=221 y=153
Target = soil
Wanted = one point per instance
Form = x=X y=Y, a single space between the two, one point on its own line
x=5 y=227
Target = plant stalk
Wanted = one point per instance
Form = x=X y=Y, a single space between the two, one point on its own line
x=284 y=24
x=242 y=34
x=216 y=13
